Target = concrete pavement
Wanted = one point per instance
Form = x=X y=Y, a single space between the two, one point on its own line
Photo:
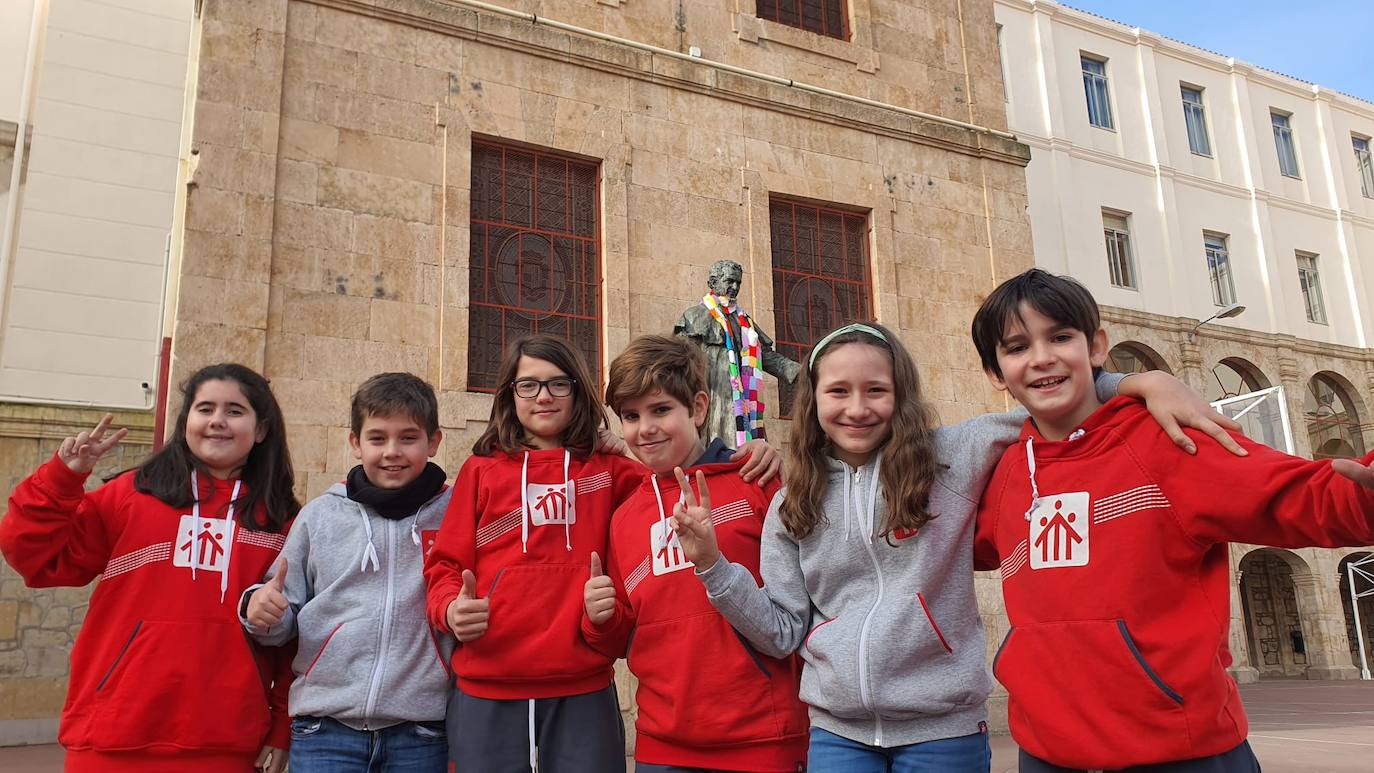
x=1295 y=727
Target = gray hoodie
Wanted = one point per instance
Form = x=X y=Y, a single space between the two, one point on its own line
x=889 y=629
x=367 y=657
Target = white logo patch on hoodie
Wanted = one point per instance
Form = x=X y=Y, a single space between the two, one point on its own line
x=1059 y=531
x=549 y=504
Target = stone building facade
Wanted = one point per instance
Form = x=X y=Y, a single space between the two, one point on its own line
x=1175 y=181
x=343 y=215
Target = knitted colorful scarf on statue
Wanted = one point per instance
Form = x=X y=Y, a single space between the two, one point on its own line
x=745 y=364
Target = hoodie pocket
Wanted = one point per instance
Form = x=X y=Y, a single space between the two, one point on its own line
x=701 y=685
x=534 y=632
x=830 y=678
x=170 y=673
x=1084 y=688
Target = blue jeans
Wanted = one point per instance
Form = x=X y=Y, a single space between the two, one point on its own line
x=829 y=753
x=322 y=745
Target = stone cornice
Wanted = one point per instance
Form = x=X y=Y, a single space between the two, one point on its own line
x=557 y=45
x=1181 y=325
x=55 y=422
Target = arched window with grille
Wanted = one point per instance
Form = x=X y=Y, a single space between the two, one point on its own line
x=1234 y=376
x=1134 y=357
x=535 y=254
x=1333 y=419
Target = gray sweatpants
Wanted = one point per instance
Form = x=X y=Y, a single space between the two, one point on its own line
x=575 y=734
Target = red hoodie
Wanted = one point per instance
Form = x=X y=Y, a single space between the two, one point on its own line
x=706 y=698
x=529 y=546
x=162 y=673
x=1117 y=584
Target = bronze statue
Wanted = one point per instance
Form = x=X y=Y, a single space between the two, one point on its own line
x=736 y=351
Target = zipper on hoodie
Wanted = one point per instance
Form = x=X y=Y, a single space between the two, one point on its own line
x=864 y=697
x=378 y=665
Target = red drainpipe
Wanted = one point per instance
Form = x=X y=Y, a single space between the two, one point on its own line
x=164 y=368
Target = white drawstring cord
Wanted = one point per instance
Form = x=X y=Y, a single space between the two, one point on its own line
x=369 y=553
x=534 y=744
x=848 y=500
x=1035 y=489
x=873 y=494
x=568 y=500
x=525 y=505
x=228 y=532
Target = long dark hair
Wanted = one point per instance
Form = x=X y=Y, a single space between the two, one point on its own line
x=505 y=432
x=909 y=463
x=267 y=473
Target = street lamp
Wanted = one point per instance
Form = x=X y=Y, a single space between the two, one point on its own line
x=1231 y=310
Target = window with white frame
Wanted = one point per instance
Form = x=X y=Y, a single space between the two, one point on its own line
x=1311 y=284
x=1283 y=143
x=1195 y=117
x=1362 y=163
x=1219 y=268
x=1120 y=264
x=1095 y=89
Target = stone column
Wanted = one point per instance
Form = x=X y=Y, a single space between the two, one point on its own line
x=1294 y=391
x=1323 y=631
x=1190 y=364
x=1239 y=639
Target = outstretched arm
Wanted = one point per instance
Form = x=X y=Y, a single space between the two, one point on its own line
x=773 y=618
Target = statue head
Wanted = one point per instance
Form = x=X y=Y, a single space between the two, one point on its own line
x=725 y=279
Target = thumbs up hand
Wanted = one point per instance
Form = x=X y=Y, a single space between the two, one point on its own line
x=268 y=603
x=598 y=595
x=467 y=614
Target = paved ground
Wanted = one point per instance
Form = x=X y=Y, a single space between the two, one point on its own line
x=1295 y=727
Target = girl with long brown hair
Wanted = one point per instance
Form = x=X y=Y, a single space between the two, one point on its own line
x=162 y=678
x=867 y=561
x=507 y=570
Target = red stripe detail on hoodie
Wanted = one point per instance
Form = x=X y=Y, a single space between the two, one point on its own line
x=926 y=608
x=323 y=647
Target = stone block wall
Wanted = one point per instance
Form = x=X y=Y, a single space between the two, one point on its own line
x=38 y=626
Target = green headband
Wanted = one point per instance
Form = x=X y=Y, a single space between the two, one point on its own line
x=839 y=331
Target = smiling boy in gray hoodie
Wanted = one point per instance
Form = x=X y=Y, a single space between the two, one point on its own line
x=371 y=675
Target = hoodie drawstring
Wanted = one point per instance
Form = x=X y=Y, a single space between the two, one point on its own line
x=525 y=506
x=534 y=744
x=873 y=494
x=663 y=514
x=848 y=500
x=1035 y=490
x=853 y=496
x=370 y=552
x=228 y=532
x=568 y=499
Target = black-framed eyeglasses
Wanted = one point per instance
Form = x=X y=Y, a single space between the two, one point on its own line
x=529 y=388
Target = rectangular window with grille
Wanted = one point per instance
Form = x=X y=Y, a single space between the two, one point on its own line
x=1219 y=269
x=1311 y=285
x=1195 y=117
x=1283 y=143
x=823 y=17
x=1120 y=264
x=1363 y=164
x=535 y=255
x=1095 y=89
x=821 y=276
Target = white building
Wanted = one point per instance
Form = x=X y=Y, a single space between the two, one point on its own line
x=100 y=88
x=92 y=142
x=1175 y=182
